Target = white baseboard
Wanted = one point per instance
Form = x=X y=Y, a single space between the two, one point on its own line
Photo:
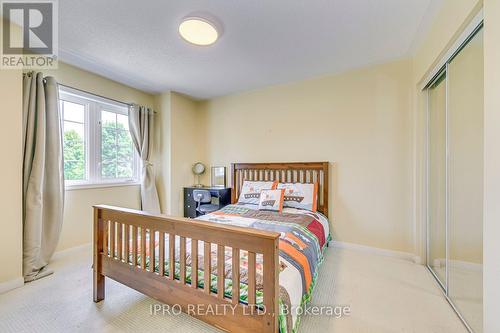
x=378 y=251
x=11 y=284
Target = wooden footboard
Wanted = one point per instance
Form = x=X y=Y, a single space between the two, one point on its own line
x=120 y=254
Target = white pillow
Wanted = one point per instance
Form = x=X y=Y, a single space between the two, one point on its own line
x=271 y=200
x=299 y=195
x=250 y=191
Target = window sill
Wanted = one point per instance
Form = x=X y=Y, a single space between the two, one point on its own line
x=100 y=185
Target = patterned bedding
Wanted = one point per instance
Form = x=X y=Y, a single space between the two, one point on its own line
x=304 y=236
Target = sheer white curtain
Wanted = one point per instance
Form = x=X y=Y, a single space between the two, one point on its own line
x=43 y=174
x=141 y=129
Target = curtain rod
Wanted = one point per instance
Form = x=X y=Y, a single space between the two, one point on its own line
x=100 y=96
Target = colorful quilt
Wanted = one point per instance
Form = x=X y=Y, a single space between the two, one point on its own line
x=304 y=236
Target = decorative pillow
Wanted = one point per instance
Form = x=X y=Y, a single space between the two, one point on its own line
x=299 y=195
x=250 y=191
x=271 y=200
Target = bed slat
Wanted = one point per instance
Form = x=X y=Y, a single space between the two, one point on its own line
x=134 y=245
x=171 y=256
x=143 y=248
x=127 y=243
x=182 y=258
x=119 y=241
x=207 y=267
x=152 y=256
x=194 y=263
x=112 y=232
x=161 y=256
x=220 y=271
x=251 y=278
x=236 y=276
x=105 y=237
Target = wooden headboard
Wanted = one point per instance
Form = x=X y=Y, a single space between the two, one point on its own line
x=299 y=172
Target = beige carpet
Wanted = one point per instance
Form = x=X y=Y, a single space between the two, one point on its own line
x=385 y=295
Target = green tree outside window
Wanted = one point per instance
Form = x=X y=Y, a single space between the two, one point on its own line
x=116 y=153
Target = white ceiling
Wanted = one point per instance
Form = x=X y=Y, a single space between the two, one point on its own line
x=264 y=42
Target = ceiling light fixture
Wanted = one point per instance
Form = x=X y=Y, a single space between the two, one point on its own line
x=198 y=31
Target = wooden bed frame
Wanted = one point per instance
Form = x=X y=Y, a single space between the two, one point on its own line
x=120 y=237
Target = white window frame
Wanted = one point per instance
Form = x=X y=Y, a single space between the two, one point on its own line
x=93 y=133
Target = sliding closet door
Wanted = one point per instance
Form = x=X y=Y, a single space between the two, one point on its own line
x=437 y=179
x=465 y=144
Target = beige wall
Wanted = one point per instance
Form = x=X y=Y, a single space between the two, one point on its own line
x=182 y=143
x=96 y=84
x=491 y=274
x=360 y=120
x=77 y=224
x=10 y=173
x=188 y=146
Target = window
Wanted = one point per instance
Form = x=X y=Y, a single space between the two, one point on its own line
x=75 y=157
x=98 y=148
